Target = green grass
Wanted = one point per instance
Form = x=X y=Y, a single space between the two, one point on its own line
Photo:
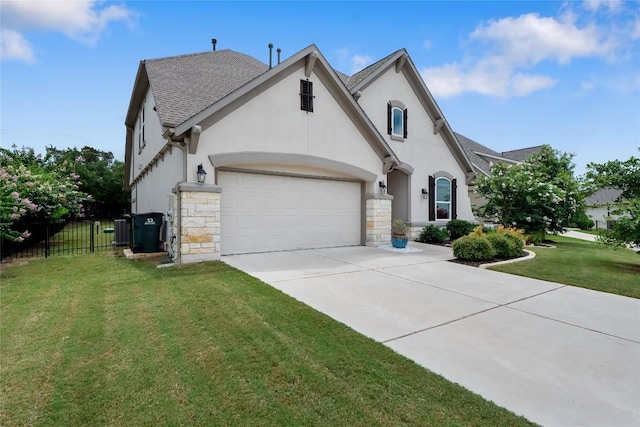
x=585 y=264
x=99 y=340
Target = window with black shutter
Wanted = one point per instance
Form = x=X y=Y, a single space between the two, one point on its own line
x=397 y=120
x=306 y=95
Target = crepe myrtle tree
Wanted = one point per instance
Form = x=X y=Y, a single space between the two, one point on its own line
x=33 y=189
x=539 y=195
x=625 y=176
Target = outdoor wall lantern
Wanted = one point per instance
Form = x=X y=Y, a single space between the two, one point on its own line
x=425 y=193
x=201 y=174
x=383 y=186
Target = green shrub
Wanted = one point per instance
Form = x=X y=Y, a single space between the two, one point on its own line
x=502 y=244
x=458 y=228
x=537 y=237
x=518 y=244
x=473 y=248
x=432 y=234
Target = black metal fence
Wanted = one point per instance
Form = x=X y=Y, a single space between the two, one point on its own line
x=67 y=238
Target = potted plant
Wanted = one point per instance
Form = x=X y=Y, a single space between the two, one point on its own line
x=399 y=230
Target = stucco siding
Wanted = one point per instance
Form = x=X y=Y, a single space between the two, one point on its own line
x=153 y=140
x=425 y=152
x=152 y=192
x=273 y=122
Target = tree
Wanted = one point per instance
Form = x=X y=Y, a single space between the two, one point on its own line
x=34 y=189
x=625 y=176
x=539 y=195
x=102 y=178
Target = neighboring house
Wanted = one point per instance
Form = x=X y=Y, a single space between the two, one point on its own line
x=600 y=204
x=483 y=157
x=296 y=156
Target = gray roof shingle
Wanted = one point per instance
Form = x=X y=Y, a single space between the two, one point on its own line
x=471 y=148
x=521 y=154
x=352 y=81
x=185 y=85
x=603 y=196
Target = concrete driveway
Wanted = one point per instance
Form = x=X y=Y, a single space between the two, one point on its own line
x=559 y=355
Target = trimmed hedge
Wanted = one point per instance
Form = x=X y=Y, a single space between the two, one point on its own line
x=432 y=234
x=458 y=228
x=473 y=248
x=503 y=245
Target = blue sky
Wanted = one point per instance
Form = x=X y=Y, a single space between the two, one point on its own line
x=506 y=74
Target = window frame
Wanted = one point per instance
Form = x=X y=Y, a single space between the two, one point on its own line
x=394 y=133
x=141 y=137
x=440 y=202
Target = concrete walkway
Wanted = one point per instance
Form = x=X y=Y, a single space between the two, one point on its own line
x=559 y=355
x=580 y=235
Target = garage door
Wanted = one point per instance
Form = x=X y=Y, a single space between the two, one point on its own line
x=262 y=213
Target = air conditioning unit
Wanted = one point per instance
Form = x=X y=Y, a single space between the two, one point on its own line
x=121 y=228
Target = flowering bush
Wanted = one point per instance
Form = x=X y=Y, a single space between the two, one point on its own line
x=539 y=194
x=31 y=188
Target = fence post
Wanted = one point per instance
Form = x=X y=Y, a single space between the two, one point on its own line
x=47 y=230
x=91 y=240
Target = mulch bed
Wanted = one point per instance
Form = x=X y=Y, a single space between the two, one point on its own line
x=479 y=263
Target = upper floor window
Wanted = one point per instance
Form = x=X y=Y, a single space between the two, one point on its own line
x=306 y=96
x=397 y=120
x=141 y=140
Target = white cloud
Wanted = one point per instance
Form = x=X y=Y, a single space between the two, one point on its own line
x=530 y=39
x=452 y=80
x=81 y=20
x=15 y=47
x=595 y=5
x=635 y=31
x=501 y=52
x=358 y=62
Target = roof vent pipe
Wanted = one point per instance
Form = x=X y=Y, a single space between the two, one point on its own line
x=213 y=42
x=270 y=53
x=278 y=50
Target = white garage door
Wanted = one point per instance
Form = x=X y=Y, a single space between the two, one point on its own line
x=261 y=213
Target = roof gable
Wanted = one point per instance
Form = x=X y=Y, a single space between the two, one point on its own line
x=313 y=61
x=403 y=63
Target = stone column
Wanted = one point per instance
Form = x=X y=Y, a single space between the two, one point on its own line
x=378 y=219
x=198 y=230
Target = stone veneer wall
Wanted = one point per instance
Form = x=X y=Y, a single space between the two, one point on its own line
x=378 y=219
x=199 y=222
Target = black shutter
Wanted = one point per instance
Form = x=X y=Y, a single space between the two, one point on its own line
x=405 y=122
x=432 y=198
x=306 y=95
x=454 y=198
x=389 y=118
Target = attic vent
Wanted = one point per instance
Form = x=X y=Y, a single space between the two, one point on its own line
x=306 y=95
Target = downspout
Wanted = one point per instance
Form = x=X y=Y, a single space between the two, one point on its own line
x=177 y=216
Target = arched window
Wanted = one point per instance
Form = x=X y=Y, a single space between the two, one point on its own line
x=397 y=120
x=443 y=199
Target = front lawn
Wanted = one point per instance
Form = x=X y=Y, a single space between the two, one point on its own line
x=581 y=263
x=99 y=340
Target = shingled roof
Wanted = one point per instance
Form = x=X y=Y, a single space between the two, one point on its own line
x=352 y=81
x=603 y=196
x=474 y=150
x=522 y=154
x=185 y=85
